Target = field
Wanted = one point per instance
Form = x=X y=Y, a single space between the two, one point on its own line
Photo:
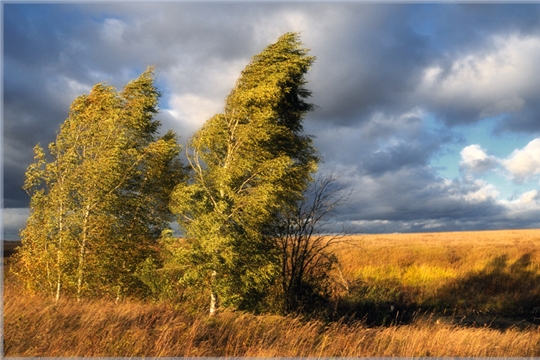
x=449 y=294
x=481 y=276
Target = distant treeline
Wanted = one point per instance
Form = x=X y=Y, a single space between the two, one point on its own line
x=10 y=247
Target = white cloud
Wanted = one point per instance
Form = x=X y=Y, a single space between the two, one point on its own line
x=475 y=159
x=483 y=192
x=489 y=83
x=525 y=209
x=529 y=196
x=198 y=92
x=524 y=163
x=193 y=109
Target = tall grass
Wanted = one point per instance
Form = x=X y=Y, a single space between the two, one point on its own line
x=37 y=327
x=498 y=268
x=496 y=272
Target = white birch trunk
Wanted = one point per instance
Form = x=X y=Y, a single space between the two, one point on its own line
x=82 y=252
x=213 y=297
x=59 y=252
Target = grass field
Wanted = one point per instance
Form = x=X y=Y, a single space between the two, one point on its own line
x=490 y=275
x=449 y=294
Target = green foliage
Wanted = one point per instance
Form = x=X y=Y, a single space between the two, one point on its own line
x=162 y=275
x=247 y=164
x=100 y=204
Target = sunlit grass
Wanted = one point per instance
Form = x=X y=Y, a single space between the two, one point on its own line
x=426 y=276
x=421 y=266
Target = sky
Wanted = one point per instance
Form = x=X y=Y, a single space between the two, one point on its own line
x=429 y=114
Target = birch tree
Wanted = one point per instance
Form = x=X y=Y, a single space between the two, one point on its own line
x=100 y=203
x=247 y=163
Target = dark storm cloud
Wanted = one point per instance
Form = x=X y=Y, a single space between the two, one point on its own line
x=383 y=143
x=386 y=161
x=416 y=199
x=395 y=157
x=35 y=39
x=31 y=115
x=173 y=34
x=458 y=28
x=370 y=64
x=378 y=62
x=527 y=120
x=470 y=29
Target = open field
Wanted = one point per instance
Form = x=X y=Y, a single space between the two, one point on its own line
x=450 y=294
x=491 y=276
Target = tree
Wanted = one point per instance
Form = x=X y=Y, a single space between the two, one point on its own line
x=247 y=163
x=304 y=233
x=99 y=205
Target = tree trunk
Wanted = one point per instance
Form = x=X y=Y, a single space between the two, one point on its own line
x=82 y=252
x=58 y=252
x=214 y=302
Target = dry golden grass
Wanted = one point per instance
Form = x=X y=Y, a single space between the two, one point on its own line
x=461 y=251
x=35 y=326
x=424 y=268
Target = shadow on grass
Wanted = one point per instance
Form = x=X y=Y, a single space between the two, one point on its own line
x=377 y=304
x=502 y=288
x=501 y=295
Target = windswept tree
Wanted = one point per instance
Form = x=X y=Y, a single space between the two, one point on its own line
x=101 y=200
x=247 y=164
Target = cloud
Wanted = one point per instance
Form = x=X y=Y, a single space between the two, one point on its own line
x=13 y=219
x=524 y=163
x=475 y=159
x=190 y=111
x=524 y=211
x=486 y=83
x=417 y=193
x=384 y=143
x=356 y=73
x=112 y=31
x=482 y=192
x=530 y=197
x=415 y=200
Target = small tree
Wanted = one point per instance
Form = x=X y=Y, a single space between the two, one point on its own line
x=99 y=205
x=247 y=164
x=304 y=233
